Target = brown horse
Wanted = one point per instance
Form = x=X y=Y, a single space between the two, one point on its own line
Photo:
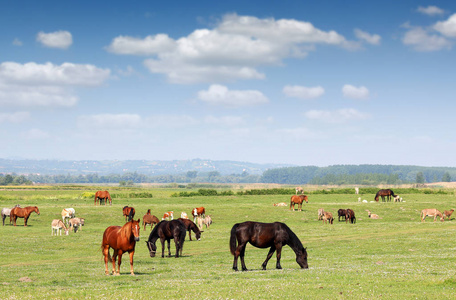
x=103 y=196
x=128 y=212
x=265 y=235
x=190 y=225
x=165 y=231
x=19 y=212
x=298 y=200
x=384 y=193
x=342 y=213
x=121 y=239
x=150 y=219
x=350 y=216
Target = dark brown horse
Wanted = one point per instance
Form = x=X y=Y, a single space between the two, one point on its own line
x=128 y=212
x=342 y=213
x=150 y=219
x=165 y=231
x=103 y=196
x=264 y=235
x=298 y=200
x=388 y=193
x=190 y=225
x=121 y=239
x=19 y=212
x=350 y=216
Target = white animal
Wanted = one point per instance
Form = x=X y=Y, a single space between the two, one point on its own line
x=68 y=213
x=365 y=201
x=372 y=216
x=57 y=225
x=184 y=215
x=356 y=190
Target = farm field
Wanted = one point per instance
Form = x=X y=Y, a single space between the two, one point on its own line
x=396 y=257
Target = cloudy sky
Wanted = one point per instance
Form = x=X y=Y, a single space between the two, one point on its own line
x=299 y=82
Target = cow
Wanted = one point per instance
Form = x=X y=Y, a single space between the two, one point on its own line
x=198 y=212
x=68 y=213
x=168 y=215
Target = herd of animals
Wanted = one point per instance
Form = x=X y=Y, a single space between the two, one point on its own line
x=262 y=235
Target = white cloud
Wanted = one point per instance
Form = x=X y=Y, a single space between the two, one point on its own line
x=33 y=84
x=448 y=27
x=431 y=10
x=58 y=39
x=303 y=92
x=221 y=95
x=35 y=134
x=297 y=134
x=373 y=39
x=232 y=50
x=16 y=117
x=353 y=92
x=17 y=42
x=230 y=121
x=170 y=121
x=338 y=116
x=421 y=40
x=110 y=121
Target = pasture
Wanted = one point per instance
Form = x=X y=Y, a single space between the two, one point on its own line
x=396 y=257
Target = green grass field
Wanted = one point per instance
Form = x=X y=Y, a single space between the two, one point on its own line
x=396 y=257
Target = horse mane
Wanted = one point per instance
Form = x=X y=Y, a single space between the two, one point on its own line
x=153 y=236
x=124 y=207
x=293 y=241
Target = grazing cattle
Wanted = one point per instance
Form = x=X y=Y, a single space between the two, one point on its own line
x=327 y=217
x=150 y=219
x=372 y=216
x=431 y=212
x=298 y=200
x=321 y=211
x=68 y=213
x=341 y=213
x=299 y=190
x=19 y=212
x=128 y=212
x=168 y=215
x=184 y=215
x=76 y=224
x=280 y=204
x=103 y=196
x=448 y=213
x=121 y=239
x=165 y=231
x=265 y=235
x=57 y=225
x=189 y=225
x=6 y=213
x=350 y=216
x=198 y=212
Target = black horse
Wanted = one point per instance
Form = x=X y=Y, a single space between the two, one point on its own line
x=264 y=235
x=165 y=231
x=190 y=225
x=341 y=213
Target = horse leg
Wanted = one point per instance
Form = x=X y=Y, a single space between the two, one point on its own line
x=176 y=243
x=279 y=255
x=131 y=262
x=119 y=261
x=114 y=256
x=163 y=246
x=190 y=234
x=106 y=255
x=242 y=254
x=268 y=257
x=169 y=247
x=25 y=221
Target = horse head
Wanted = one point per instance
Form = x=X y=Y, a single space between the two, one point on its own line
x=301 y=259
x=37 y=210
x=198 y=235
x=152 y=248
x=135 y=228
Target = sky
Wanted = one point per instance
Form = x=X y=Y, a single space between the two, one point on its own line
x=295 y=82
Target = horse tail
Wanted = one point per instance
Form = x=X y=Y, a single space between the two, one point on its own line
x=131 y=214
x=233 y=238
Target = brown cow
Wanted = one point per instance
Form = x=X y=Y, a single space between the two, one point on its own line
x=198 y=212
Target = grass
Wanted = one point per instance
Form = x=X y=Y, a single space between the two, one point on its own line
x=391 y=258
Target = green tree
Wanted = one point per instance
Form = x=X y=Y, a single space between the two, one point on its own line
x=192 y=174
x=122 y=183
x=446 y=177
x=419 y=177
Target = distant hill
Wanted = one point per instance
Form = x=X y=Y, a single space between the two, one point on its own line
x=146 y=167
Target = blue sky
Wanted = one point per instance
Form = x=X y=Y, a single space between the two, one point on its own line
x=317 y=83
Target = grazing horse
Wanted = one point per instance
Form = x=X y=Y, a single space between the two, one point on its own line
x=165 y=231
x=342 y=213
x=431 y=212
x=298 y=200
x=150 y=219
x=168 y=215
x=448 y=213
x=198 y=212
x=388 y=193
x=6 y=213
x=122 y=239
x=57 y=225
x=299 y=190
x=350 y=216
x=264 y=235
x=103 y=196
x=19 y=212
x=68 y=213
x=327 y=217
x=128 y=212
x=189 y=225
